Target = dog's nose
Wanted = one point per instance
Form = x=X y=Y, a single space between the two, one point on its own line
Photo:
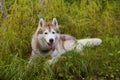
x=51 y=40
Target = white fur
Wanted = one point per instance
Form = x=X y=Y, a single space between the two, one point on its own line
x=90 y=42
x=50 y=35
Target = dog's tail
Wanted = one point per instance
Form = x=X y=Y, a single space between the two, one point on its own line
x=90 y=42
x=81 y=43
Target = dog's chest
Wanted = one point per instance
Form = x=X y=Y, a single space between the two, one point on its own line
x=60 y=47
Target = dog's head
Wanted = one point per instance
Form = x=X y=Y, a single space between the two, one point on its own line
x=48 y=34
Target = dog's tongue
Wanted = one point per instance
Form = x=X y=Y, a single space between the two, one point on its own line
x=52 y=46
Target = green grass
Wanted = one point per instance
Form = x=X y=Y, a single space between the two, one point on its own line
x=79 y=18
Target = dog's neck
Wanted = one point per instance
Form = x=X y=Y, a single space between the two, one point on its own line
x=45 y=51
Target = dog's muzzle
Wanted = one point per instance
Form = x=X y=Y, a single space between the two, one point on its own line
x=51 y=44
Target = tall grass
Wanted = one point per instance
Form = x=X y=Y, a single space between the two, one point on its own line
x=79 y=18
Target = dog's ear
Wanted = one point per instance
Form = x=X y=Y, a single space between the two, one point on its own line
x=54 y=22
x=41 y=22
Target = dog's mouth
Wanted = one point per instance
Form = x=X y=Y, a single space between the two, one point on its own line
x=51 y=46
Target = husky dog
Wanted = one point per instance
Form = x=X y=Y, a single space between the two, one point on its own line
x=47 y=40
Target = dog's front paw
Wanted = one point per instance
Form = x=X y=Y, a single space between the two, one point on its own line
x=53 y=60
x=50 y=62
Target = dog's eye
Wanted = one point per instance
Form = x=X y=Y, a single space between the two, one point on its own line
x=53 y=32
x=46 y=33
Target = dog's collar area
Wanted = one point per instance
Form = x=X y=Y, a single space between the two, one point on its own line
x=45 y=51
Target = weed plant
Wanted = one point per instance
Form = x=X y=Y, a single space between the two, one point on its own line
x=79 y=18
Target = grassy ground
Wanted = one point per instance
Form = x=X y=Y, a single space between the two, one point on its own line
x=79 y=18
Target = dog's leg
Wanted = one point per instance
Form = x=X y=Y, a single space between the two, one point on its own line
x=54 y=59
x=55 y=56
x=33 y=57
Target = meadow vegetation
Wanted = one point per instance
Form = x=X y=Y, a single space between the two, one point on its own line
x=79 y=18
